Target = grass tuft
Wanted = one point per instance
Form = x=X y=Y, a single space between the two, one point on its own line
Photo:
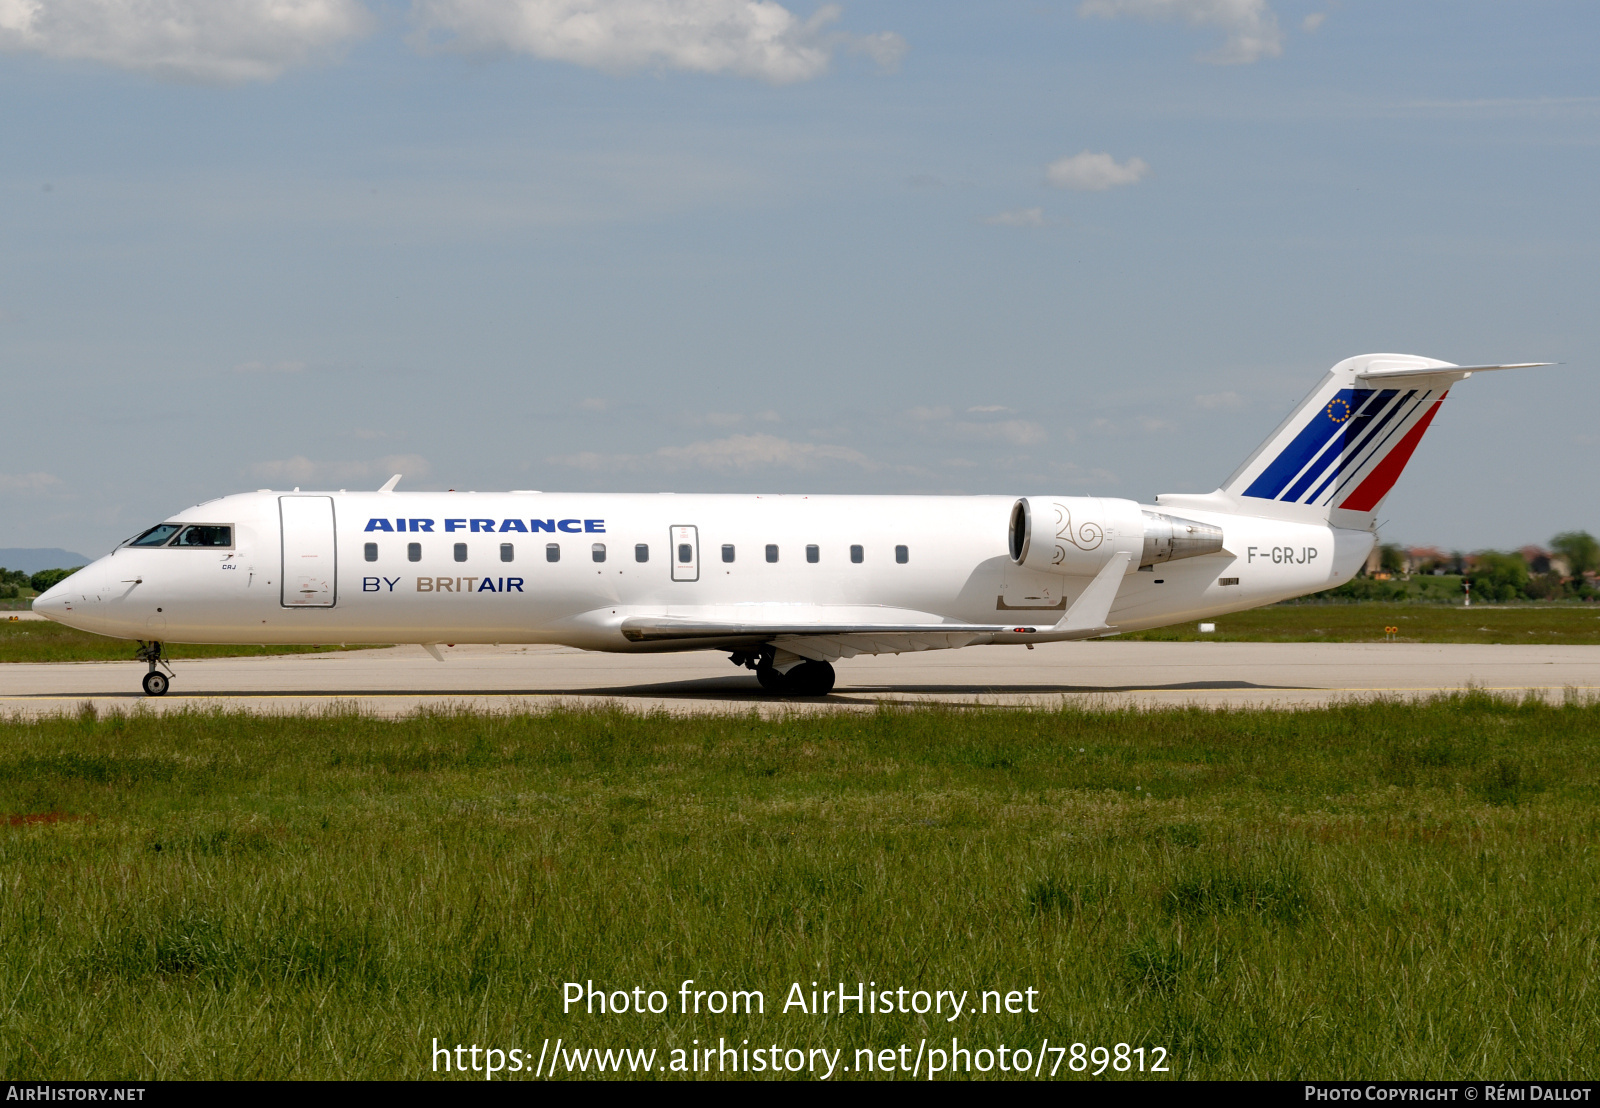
x=1272 y=889
x=1155 y=964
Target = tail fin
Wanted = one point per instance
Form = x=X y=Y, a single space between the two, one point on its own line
x=1343 y=448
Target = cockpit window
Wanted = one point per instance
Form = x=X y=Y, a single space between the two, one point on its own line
x=205 y=534
x=196 y=534
x=156 y=536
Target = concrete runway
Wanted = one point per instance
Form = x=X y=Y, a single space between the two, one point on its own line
x=399 y=680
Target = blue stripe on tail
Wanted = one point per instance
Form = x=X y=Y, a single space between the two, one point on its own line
x=1325 y=424
x=1353 y=428
x=1365 y=449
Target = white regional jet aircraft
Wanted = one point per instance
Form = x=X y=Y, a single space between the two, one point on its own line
x=785 y=584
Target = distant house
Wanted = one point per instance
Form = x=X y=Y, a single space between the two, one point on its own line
x=1542 y=561
x=1428 y=559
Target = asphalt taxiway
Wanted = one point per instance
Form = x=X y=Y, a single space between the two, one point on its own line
x=399 y=680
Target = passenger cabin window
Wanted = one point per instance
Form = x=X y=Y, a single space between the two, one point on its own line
x=727 y=552
x=372 y=551
x=552 y=552
x=413 y=552
x=857 y=555
x=461 y=551
x=772 y=552
x=641 y=552
x=813 y=554
x=205 y=534
x=156 y=536
x=508 y=553
x=902 y=554
x=598 y=551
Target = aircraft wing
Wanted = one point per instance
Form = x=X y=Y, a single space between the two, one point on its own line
x=821 y=639
x=665 y=628
x=827 y=641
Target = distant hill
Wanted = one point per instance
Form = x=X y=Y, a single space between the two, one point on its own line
x=33 y=559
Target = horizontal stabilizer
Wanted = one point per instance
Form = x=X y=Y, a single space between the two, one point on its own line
x=1378 y=372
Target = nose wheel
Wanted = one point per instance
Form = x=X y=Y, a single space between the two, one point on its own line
x=155 y=682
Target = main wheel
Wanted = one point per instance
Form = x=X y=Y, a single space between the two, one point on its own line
x=771 y=679
x=155 y=683
x=810 y=679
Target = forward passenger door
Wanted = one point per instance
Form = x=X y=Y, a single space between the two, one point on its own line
x=310 y=567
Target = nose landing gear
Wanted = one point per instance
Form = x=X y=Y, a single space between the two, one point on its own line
x=155 y=682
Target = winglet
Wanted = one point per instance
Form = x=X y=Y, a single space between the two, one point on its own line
x=388 y=486
x=1089 y=611
x=432 y=648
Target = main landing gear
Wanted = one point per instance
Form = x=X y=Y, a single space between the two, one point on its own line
x=804 y=679
x=155 y=682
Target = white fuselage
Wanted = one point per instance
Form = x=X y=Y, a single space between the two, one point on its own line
x=446 y=578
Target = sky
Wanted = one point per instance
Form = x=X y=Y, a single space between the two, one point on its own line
x=1088 y=248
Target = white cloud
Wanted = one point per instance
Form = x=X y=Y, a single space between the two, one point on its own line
x=1251 y=25
x=1017 y=432
x=939 y=422
x=736 y=452
x=270 y=367
x=300 y=470
x=1218 y=401
x=1077 y=475
x=1023 y=217
x=1313 y=21
x=209 y=41
x=747 y=38
x=1087 y=172
x=27 y=482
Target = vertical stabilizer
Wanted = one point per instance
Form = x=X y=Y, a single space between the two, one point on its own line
x=1344 y=446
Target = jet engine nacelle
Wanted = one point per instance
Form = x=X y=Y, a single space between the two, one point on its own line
x=1077 y=535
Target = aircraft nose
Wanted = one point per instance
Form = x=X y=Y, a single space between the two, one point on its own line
x=52 y=603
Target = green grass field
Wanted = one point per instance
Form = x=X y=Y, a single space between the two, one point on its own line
x=1382 y=890
x=37 y=640
x=1565 y=624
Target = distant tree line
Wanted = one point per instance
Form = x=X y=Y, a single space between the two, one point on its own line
x=13 y=581
x=1567 y=571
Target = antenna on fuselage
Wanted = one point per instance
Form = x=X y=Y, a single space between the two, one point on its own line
x=388 y=486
